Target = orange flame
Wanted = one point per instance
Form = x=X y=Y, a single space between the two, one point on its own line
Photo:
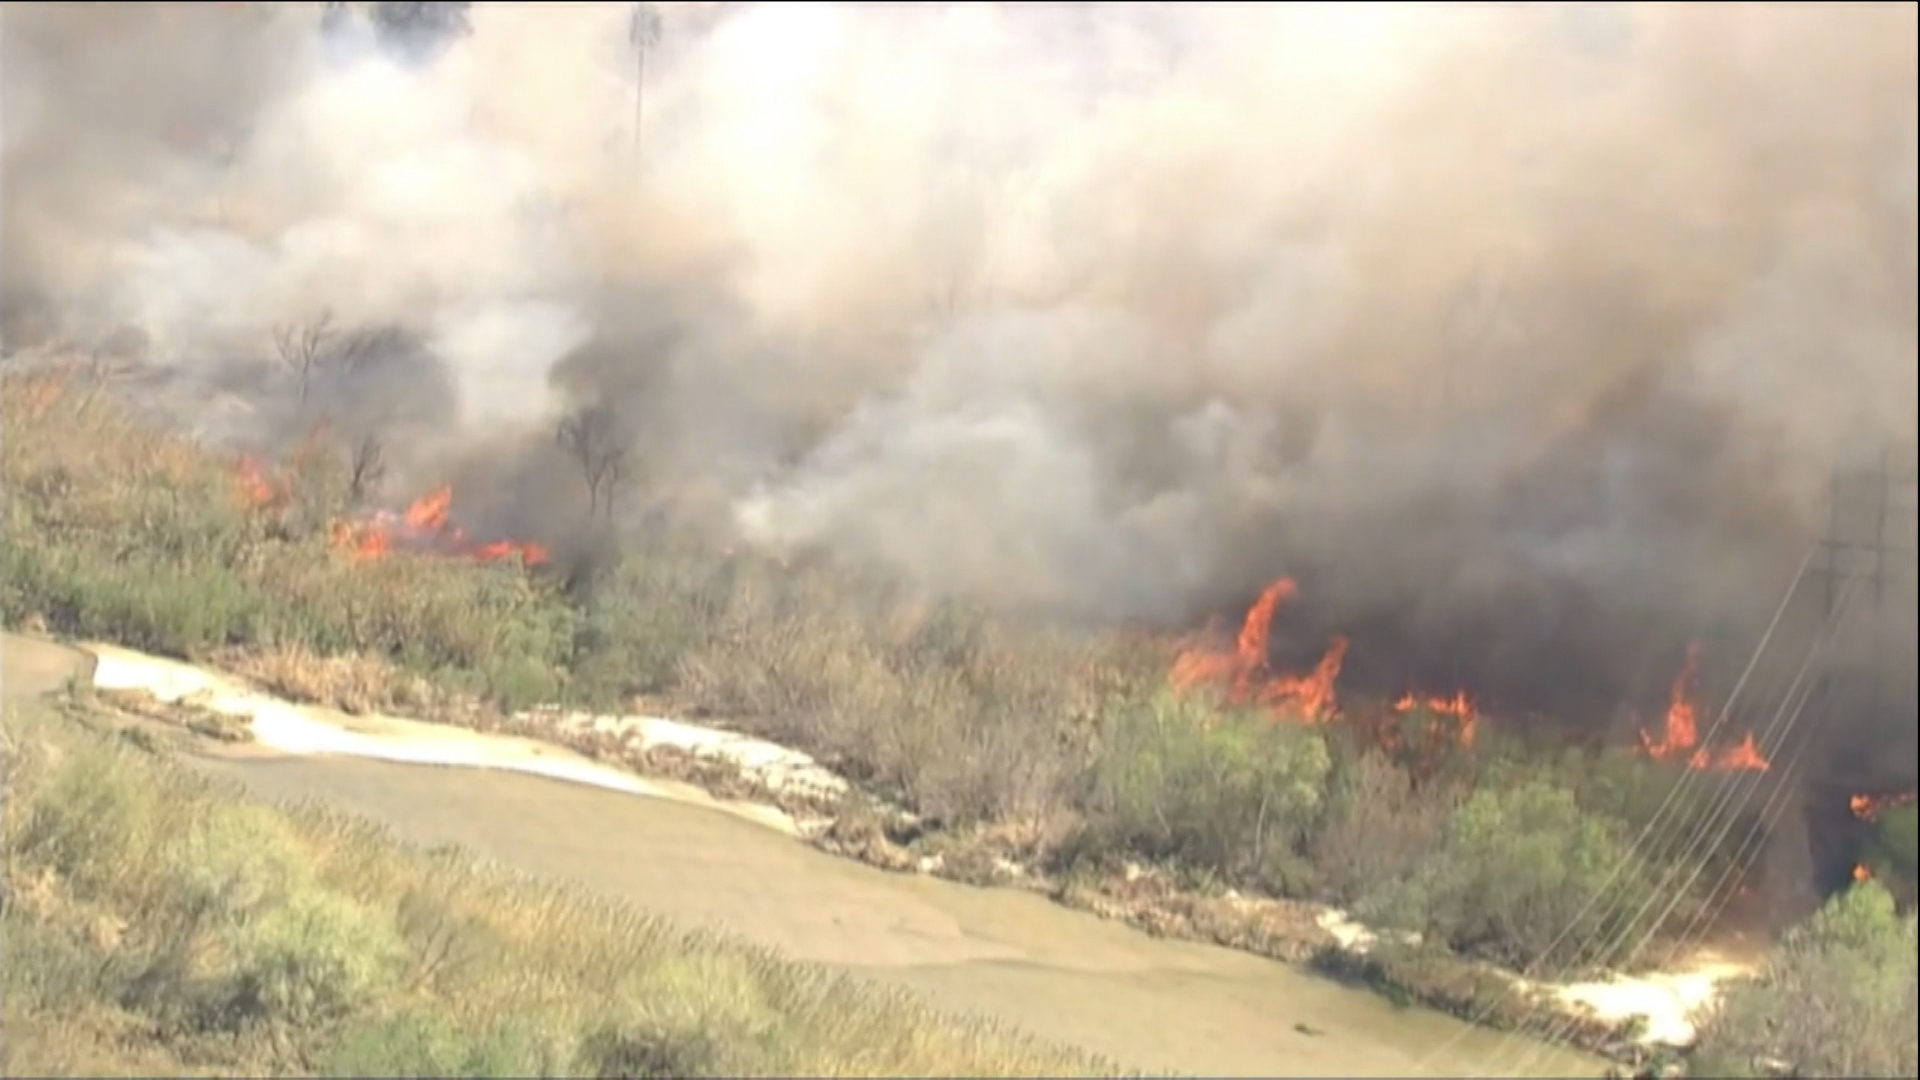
x=256 y=487
x=1681 y=737
x=430 y=513
x=1459 y=708
x=1310 y=695
x=1743 y=756
x=1683 y=726
x=1870 y=807
x=1242 y=672
x=425 y=525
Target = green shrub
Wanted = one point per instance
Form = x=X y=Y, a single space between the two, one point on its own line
x=1892 y=853
x=237 y=861
x=158 y=926
x=1522 y=877
x=310 y=959
x=428 y=1043
x=1379 y=827
x=46 y=969
x=1180 y=780
x=1692 y=819
x=1836 y=999
x=88 y=823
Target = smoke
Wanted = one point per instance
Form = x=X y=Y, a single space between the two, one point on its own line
x=1524 y=335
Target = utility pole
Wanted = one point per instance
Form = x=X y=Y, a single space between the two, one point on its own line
x=643 y=33
x=1866 y=569
x=1865 y=511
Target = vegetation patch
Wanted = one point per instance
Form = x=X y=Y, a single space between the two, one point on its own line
x=1836 y=999
x=999 y=742
x=157 y=924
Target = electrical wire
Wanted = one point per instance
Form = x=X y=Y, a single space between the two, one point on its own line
x=1788 y=714
x=1719 y=820
x=1659 y=820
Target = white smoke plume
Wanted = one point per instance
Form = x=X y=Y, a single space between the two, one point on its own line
x=1509 y=328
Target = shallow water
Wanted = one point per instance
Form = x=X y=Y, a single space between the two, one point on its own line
x=1060 y=974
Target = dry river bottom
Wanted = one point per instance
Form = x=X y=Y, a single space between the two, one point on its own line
x=1062 y=975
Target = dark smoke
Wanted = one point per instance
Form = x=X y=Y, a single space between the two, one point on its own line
x=1524 y=336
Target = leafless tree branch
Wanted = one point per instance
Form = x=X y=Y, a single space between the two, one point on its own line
x=309 y=349
x=596 y=438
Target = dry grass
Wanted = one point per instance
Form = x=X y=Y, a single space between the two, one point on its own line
x=355 y=684
x=157 y=924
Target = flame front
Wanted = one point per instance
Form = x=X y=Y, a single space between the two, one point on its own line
x=1240 y=672
x=1459 y=708
x=1869 y=807
x=1680 y=739
x=256 y=487
x=425 y=526
x=1683 y=720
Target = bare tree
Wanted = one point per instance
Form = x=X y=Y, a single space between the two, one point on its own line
x=303 y=349
x=596 y=437
x=309 y=349
x=318 y=349
x=366 y=466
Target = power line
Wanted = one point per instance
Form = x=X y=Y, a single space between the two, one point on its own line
x=1670 y=884
x=1659 y=820
x=1721 y=811
x=1837 y=601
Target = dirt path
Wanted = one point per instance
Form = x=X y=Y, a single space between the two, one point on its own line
x=1063 y=975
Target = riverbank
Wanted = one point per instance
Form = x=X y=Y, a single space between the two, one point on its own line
x=993 y=743
x=1008 y=955
x=787 y=791
x=156 y=925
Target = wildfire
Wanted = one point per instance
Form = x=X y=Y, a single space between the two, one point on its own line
x=1459 y=708
x=1870 y=807
x=425 y=525
x=256 y=487
x=1680 y=740
x=1241 y=672
x=1238 y=669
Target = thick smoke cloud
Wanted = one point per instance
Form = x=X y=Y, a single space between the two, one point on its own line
x=1524 y=335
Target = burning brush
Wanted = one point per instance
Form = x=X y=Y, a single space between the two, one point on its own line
x=424 y=527
x=1680 y=740
x=1239 y=672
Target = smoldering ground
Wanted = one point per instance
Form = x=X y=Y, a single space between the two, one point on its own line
x=1525 y=336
